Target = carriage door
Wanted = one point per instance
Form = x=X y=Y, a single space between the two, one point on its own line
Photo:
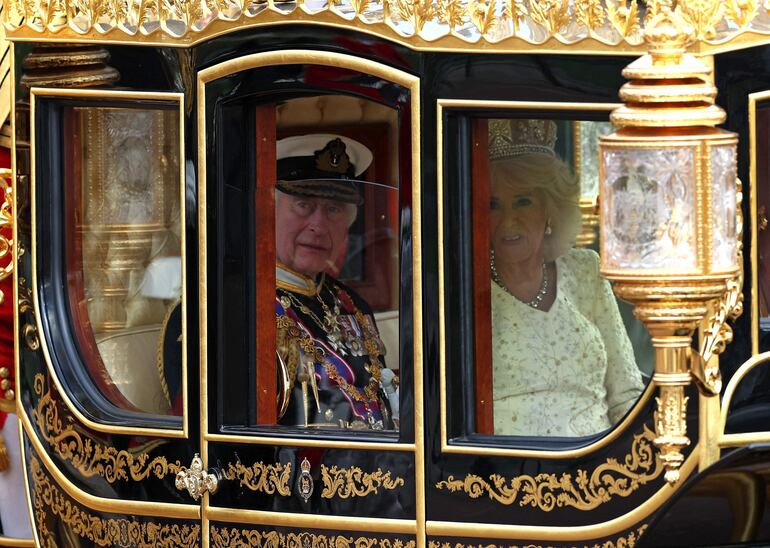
x=308 y=348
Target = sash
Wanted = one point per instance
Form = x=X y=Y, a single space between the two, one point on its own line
x=324 y=356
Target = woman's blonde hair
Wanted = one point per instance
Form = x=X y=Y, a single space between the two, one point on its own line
x=555 y=183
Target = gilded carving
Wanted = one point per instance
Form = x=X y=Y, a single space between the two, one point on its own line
x=416 y=12
x=6 y=225
x=625 y=541
x=354 y=482
x=469 y=20
x=552 y=14
x=29 y=329
x=260 y=477
x=451 y=12
x=515 y=11
x=624 y=17
x=590 y=13
x=482 y=14
x=741 y=11
x=87 y=456
x=703 y=15
x=586 y=491
x=48 y=500
x=222 y=537
x=671 y=426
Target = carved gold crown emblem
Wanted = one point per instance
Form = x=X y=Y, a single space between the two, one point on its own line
x=513 y=137
x=305 y=465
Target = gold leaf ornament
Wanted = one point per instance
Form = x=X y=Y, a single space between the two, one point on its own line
x=482 y=14
x=702 y=15
x=590 y=13
x=260 y=477
x=741 y=11
x=416 y=12
x=586 y=491
x=88 y=457
x=515 y=11
x=624 y=16
x=451 y=12
x=48 y=500
x=354 y=482
x=552 y=14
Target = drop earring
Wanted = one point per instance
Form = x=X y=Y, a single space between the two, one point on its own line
x=548 y=230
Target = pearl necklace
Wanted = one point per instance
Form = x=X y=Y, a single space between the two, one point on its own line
x=541 y=293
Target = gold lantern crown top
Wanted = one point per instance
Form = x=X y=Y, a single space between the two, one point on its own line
x=668 y=87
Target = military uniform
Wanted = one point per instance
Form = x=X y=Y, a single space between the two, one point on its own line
x=330 y=355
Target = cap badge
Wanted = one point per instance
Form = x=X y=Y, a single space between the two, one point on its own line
x=333 y=157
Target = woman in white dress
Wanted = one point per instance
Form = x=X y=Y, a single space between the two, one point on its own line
x=562 y=362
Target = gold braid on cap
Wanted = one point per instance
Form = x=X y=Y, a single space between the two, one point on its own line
x=513 y=137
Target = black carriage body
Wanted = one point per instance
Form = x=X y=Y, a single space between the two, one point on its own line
x=436 y=480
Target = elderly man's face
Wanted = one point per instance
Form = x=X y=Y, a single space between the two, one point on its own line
x=310 y=232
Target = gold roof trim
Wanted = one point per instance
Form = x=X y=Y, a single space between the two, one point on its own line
x=569 y=26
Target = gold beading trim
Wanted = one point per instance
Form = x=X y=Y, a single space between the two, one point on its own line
x=354 y=482
x=585 y=492
x=614 y=26
x=47 y=500
x=88 y=457
x=260 y=477
x=224 y=537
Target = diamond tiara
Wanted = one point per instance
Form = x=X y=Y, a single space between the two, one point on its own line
x=513 y=137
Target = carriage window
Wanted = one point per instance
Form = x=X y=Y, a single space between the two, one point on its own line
x=321 y=278
x=557 y=355
x=336 y=250
x=124 y=247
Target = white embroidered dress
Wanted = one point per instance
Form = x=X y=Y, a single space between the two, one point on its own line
x=569 y=371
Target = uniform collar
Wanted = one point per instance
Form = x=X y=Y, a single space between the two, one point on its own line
x=296 y=282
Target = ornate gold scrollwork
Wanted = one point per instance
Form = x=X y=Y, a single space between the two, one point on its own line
x=354 y=482
x=224 y=537
x=718 y=333
x=48 y=500
x=87 y=456
x=260 y=477
x=625 y=541
x=29 y=330
x=6 y=226
x=585 y=492
x=195 y=480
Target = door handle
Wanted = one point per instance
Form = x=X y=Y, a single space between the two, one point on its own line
x=196 y=480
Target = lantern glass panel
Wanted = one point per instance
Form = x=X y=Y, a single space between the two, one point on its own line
x=649 y=205
x=723 y=207
x=589 y=156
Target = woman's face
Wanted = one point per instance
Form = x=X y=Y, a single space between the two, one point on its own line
x=517 y=219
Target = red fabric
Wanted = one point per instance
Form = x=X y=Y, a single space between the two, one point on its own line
x=6 y=308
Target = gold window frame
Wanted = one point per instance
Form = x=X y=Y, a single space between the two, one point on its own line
x=412 y=83
x=109 y=95
x=465 y=449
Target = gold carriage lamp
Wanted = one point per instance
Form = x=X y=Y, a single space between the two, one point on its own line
x=669 y=215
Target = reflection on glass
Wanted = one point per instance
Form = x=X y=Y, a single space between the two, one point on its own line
x=562 y=363
x=331 y=346
x=125 y=265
